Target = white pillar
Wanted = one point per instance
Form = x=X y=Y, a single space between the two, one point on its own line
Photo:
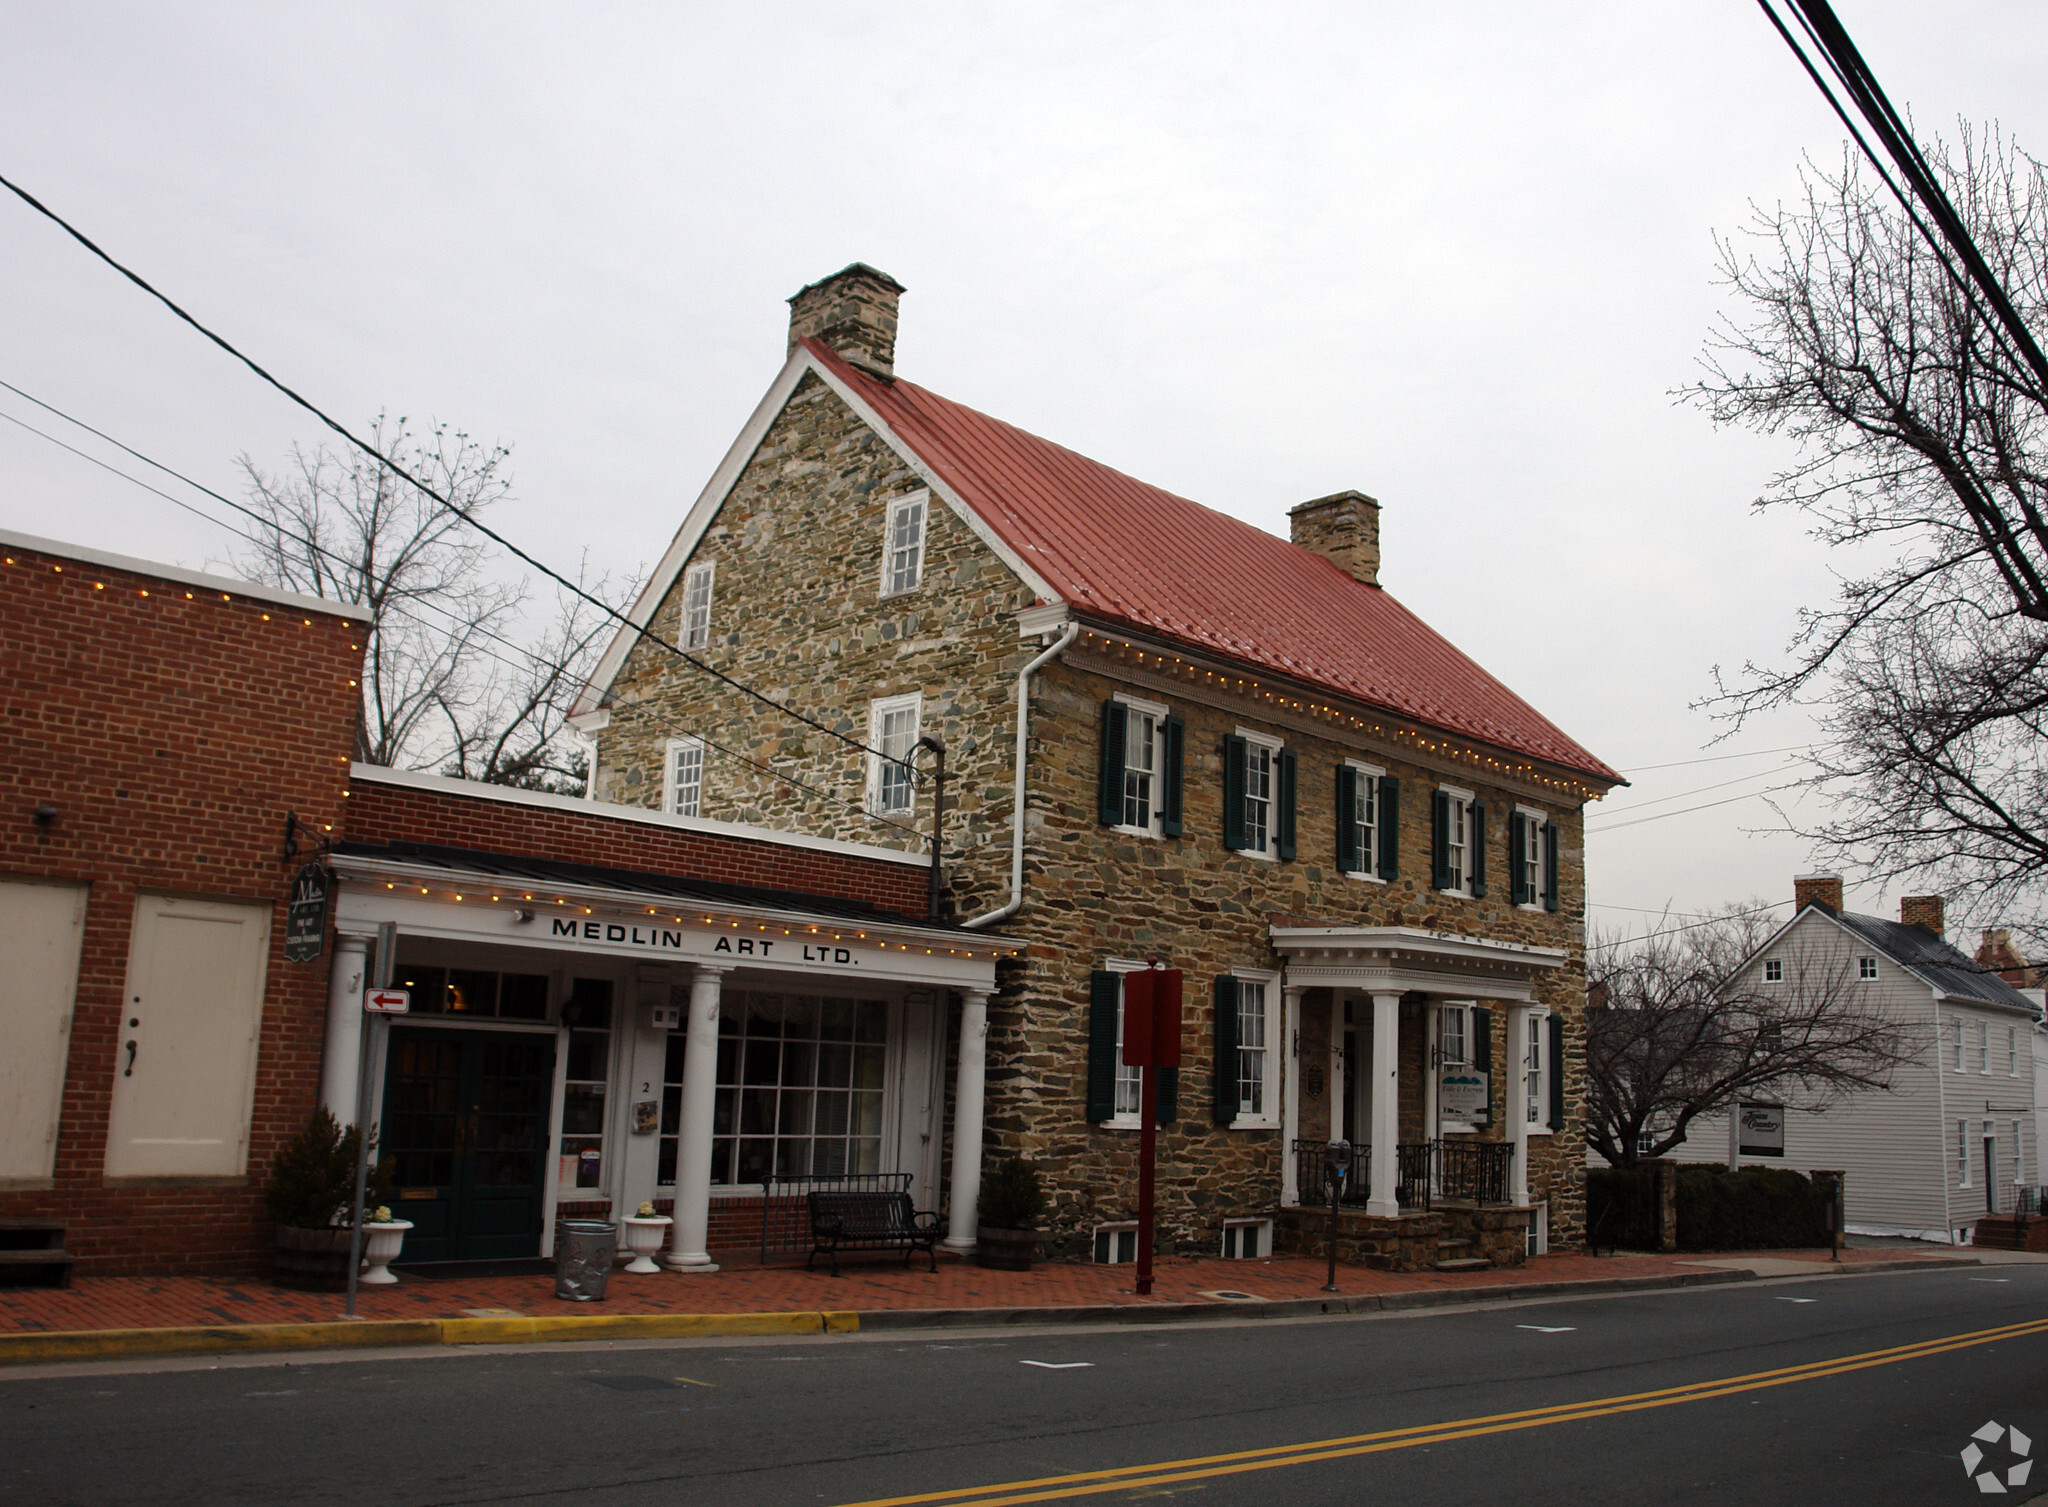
x=1386 y=1114
x=692 y=1229
x=341 y=1057
x=1290 y=1091
x=969 y=1077
x=1515 y=1102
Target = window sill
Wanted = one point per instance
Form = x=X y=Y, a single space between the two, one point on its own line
x=1262 y=1122
x=1362 y=877
x=1151 y=832
x=1258 y=853
x=891 y=596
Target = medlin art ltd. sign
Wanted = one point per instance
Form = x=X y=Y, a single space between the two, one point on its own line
x=305 y=916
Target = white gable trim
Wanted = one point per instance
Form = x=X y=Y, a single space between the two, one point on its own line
x=663 y=577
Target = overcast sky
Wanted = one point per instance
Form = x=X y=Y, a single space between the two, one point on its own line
x=1455 y=256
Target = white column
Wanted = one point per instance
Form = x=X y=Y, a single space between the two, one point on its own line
x=1515 y=1102
x=969 y=1078
x=1386 y=1114
x=1290 y=1092
x=341 y=1057
x=692 y=1229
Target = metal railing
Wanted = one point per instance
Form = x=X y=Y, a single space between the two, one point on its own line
x=786 y=1217
x=2026 y=1199
x=1425 y=1173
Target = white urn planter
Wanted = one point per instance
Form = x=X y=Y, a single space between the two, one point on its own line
x=381 y=1241
x=643 y=1238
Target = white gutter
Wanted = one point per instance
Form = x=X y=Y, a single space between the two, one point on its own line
x=1004 y=912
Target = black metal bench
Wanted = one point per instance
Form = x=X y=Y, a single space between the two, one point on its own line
x=869 y=1221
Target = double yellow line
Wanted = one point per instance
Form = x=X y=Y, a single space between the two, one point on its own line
x=1168 y=1472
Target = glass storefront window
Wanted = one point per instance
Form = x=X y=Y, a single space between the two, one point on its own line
x=588 y=1015
x=477 y=993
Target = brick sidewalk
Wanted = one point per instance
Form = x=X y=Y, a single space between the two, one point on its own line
x=105 y=1303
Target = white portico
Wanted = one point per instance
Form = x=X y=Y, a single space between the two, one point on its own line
x=582 y=1040
x=1366 y=973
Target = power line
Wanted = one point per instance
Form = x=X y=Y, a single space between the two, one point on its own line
x=401 y=611
x=1754 y=753
x=406 y=476
x=1755 y=774
x=1687 y=810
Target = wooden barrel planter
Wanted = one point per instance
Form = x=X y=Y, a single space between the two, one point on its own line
x=311 y=1260
x=1005 y=1250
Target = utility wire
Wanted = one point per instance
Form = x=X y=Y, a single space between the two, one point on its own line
x=401 y=610
x=1687 y=810
x=1754 y=774
x=406 y=476
x=1754 y=753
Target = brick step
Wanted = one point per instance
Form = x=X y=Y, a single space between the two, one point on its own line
x=1465 y=1264
x=43 y=1268
x=31 y=1234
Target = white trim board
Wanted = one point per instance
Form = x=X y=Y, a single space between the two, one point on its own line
x=229 y=584
x=377 y=774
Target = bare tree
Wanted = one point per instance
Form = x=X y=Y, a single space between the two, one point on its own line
x=1924 y=449
x=448 y=680
x=1675 y=1030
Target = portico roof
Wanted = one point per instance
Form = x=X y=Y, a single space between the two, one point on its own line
x=1404 y=959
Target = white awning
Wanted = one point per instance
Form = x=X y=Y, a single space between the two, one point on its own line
x=1401 y=959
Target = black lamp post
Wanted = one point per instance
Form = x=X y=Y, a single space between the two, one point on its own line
x=1336 y=1167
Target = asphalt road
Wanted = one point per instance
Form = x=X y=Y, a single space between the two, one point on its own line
x=1860 y=1390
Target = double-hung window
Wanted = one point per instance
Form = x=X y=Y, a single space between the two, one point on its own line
x=1368 y=801
x=1246 y=1060
x=1983 y=1046
x=892 y=734
x=697 y=604
x=1115 y=1089
x=1532 y=859
x=1962 y=1153
x=2012 y=1052
x=1141 y=767
x=682 y=791
x=1453 y=1047
x=1958 y=1032
x=1460 y=842
x=1258 y=795
x=1536 y=1069
x=903 y=545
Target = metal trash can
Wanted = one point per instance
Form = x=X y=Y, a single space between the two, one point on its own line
x=584 y=1250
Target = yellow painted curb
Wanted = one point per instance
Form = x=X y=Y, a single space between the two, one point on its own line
x=114 y=1344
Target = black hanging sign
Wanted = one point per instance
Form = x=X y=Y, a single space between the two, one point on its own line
x=305 y=919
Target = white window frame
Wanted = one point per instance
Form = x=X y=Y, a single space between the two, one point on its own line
x=1154 y=824
x=1114 y=1231
x=1533 y=821
x=1129 y=1081
x=1866 y=970
x=1535 y=1066
x=672 y=788
x=1268 y=1118
x=698 y=583
x=1957 y=1022
x=1369 y=777
x=1268 y=847
x=2012 y=1051
x=906 y=575
x=1983 y=1048
x=1445 y=1015
x=1962 y=1153
x=1774 y=970
x=880 y=787
x=1260 y=1233
x=1459 y=819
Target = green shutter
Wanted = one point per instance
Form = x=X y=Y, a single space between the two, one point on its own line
x=1110 y=781
x=1440 y=841
x=1550 y=865
x=1233 y=793
x=1349 y=859
x=1170 y=777
x=1390 y=827
x=1555 y=1028
x=1226 y=1049
x=1518 y=859
x=1283 y=825
x=1482 y=1040
x=1169 y=1094
x=1476 y=813
x=1102 y=1045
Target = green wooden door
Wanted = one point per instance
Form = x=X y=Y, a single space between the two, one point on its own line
x=466 y=1117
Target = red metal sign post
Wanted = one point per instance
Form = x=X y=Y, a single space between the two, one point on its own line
x=1151 y=1042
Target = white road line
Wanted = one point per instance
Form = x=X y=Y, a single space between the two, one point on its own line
x=1549 y=1329
x=1057 y=1365
x=1795 y=1300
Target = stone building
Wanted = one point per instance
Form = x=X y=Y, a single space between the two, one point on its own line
x=1165 y=734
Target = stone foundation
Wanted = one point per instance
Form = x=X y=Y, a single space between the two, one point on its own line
x=1408 y=1242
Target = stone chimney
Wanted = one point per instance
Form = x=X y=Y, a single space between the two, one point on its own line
x=854 y=312
x=1922 y=910
x=1817 y=889
x=1344 y=528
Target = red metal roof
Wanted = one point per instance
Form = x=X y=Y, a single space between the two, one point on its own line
x=1120 y=551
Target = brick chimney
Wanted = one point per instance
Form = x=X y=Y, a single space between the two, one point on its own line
x=854 y=312
x=1922 y=910
x=1344 y=528
x=1817 y=889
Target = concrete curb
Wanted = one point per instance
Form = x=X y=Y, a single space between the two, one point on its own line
x=42 y=1347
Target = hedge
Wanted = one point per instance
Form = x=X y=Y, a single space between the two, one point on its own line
x=1753 y=1208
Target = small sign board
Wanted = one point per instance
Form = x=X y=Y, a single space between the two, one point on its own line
x=305 y=915
x=1465 y=1095
x=387 y=1001
x=1762 y=1130
x=1152 y=1018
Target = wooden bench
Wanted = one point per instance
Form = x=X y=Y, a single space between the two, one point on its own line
x=865 y=1221
x=32 y=1253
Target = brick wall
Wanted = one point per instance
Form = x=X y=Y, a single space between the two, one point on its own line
x=172 y=728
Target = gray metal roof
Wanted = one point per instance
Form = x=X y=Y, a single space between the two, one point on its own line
x=1949 y=971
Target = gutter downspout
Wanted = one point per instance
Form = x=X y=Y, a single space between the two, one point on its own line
x=1004 y=912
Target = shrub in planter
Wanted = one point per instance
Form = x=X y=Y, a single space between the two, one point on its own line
x=309 y=1196
x=1011 y=1201
x=1752 y=1208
